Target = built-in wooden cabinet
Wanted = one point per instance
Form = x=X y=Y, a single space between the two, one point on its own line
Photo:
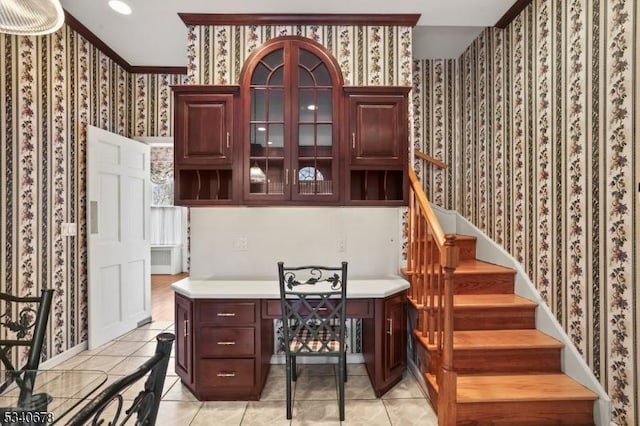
x=231 y=349
x=377 y=133
x=291 y=95
x=384 y=342
x=224 y=346
x=291 y=133
x=184 y=339
x=205 y=140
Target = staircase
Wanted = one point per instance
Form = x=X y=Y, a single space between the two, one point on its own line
x=483 y=361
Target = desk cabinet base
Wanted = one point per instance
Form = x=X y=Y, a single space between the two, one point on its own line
x=384 y=343
x=231 y=342
x=231 y=349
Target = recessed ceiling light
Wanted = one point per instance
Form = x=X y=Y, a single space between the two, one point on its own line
x=312 y=107
x=262 y=129
x=120 y=7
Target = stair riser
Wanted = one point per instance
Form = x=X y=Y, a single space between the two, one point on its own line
x=466 y=249
x=489 y=318
x=494 y=318
x=497 y=283
x=526 y=413
x=507 y=361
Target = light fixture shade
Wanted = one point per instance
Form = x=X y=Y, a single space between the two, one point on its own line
x=256 y=175
x=30 y=17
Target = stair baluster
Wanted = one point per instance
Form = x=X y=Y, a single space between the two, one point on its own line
x=432 y=260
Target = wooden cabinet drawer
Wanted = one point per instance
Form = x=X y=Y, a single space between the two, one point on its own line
x=227 y=342
x=227 y=313
x=227 y=372
x=356 y=308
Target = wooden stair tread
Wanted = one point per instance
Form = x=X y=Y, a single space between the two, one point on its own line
x=463 y=301
x=475 y=266
x=474 y=301
x=498 y=339
x=472 y=266
x=520 y=387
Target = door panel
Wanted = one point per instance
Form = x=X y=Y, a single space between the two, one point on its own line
x=118 y=188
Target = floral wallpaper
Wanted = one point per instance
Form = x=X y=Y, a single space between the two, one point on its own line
x=367 y=55
x=152 y=104
x=537 y=125
x=51 y=88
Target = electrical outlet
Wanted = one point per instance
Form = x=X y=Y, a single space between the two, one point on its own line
x=68 y=229
x=241 y=244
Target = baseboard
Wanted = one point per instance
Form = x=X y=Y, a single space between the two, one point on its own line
x=413 y=369
x=64 y=356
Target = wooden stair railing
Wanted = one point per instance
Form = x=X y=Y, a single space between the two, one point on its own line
x=432 y=258
x=430 y=159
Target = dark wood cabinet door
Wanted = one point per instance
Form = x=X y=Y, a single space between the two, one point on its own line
x=204 y=129
x=395 y=359
x=184 y=338
x=378 y=126
x=205 y=148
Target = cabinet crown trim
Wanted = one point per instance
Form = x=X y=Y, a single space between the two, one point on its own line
x=206 y=88
x=409 y=20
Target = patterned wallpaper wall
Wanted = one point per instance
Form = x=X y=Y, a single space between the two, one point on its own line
x=152 y=104
x=537 y=124
x=51 y=88
x=368 y=56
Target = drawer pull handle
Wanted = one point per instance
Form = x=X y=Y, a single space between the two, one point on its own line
x=227 y=374
x=229 y=343
x=227 y=140
x=226 y=314
x=353 y=140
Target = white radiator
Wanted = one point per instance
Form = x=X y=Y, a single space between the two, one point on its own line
x=166 y=259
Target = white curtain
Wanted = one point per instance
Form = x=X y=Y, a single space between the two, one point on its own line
x=166 y=225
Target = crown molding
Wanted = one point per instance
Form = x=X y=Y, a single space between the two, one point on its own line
x=85 y=32
x=409 y=20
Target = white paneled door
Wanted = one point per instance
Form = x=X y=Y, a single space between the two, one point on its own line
x=118 y=192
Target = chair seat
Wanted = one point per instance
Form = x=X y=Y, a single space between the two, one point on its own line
x=309 y=340
x=317 y=340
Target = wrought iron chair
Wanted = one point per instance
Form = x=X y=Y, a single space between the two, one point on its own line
x=25 y=325
x=146 y=403
x=313 y=301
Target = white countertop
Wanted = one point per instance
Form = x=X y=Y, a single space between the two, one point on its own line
x=363 y=288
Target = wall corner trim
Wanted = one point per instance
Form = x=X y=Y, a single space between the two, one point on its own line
x=511 y=14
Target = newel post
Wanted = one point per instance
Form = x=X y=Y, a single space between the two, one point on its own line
x=448 y=377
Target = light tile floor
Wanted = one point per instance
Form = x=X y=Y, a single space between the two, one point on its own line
x=315 y=392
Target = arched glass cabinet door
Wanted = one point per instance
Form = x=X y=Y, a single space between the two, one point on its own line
x=291 y=90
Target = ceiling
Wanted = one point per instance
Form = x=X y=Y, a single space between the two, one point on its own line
x=154 y=34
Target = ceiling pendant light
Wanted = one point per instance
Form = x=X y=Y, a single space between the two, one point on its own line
x=30 y=17
x=120 y=7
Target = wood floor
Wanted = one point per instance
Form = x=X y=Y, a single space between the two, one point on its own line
x=162 y=307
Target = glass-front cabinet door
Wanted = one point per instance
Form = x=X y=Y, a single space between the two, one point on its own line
x=315 y=158
x=292 y=124
x=266 y=167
